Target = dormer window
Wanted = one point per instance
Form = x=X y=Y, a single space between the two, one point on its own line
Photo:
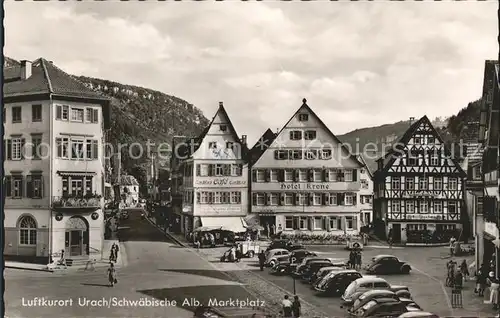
x=223 y=127
x=303 y=117
x=212 y=145
x=417 y=140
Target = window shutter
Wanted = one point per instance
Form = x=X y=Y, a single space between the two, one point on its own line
x=309 y=223
x=21 y=192
x=354 y=199
x=95 y=149
x=254 y=198
x=296 y=175
x=23 y=142
x=326 y=175
x=324 y=198
x=210 y=170
x=281 y=175
x=198 y=169
x=291 y=135
x=59 y=147
x=325 y=223
x=311 y=198
x=281 y=200
x=254 y=175
x=355 y=175
x=267 y=173
x=198 y=197
x=311 y=175
x=355 y=223
x=340 y=199
x=41 y=186
x=297 y=198
x=29 y=186
x=9 y=149
x=276 y=154
x=268 y=198
x=295 y=223
x=95 y=117
x=7 y=191
x=59 y=112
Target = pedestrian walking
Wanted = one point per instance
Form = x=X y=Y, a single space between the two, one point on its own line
x=452 y=246
x=296 y=307
x=117 y=249
x=464 y=269
x=480 y=283
x=352 y=260
x=494 y=286
x=287 y=307
x=262 y=260
x=389 y=237
x=358 y=258
x=112 y=275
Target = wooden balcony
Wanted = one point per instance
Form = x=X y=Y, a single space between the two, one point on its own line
x=90 y=202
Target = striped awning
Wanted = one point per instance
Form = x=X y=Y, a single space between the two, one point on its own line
x=76 y=173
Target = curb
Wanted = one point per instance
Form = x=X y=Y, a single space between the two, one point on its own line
x=30 y=269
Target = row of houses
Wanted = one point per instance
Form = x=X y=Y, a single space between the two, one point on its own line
x=303 y=178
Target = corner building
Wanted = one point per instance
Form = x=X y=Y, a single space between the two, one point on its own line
x=54 y=168
x=305 y=180
x=210 y=176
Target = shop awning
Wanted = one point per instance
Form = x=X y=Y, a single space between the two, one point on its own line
x=230 y=223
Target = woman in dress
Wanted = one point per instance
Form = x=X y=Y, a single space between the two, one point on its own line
x=112 y=275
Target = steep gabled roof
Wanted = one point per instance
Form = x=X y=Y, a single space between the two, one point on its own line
x=46 y=78
x=261 y=145
x=368 y=162
x=322 y=124
x=193 y=144
x=393 y=153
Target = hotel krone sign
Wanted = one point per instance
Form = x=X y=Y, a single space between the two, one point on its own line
x=305 y=186
x=220 y=182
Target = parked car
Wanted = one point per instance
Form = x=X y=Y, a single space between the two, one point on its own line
x=312 y=268
x=339 y=265
x=281 y=268
x=336 y=282
x=418 y=314
x=272 y=256
x=369 y=296
x=362 y=285
x=278 y=244
x=298 y=255
x=295 y=247
x=323 y=272
x=387 y=264
x=305 y=262
x=382 y=307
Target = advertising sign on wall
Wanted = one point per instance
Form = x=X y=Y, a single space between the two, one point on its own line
x=220 y=182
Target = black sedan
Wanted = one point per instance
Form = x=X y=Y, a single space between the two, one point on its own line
x=387 y=264
x=383 y=307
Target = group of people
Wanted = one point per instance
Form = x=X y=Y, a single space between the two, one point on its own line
x=113 y=254
x=233 y=254
x=456 y=275
x=485 y=276
x=355 y=259
x=291 y=308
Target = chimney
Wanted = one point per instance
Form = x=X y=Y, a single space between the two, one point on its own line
x=25 y=69
x=412 y=119
x=244 y=139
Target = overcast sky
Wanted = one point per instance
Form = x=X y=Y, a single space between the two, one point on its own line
x=358 y=64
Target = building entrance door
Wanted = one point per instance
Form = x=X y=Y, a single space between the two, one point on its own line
x=396 y=233
x=76 y=237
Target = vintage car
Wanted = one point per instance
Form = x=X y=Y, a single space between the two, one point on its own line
x=362 y=285
x=297 y=256
x=305 y=262
x=278 y=244
x=387 y=264
x=334 y=264
x=272 y=256
x=323 y=272
x=312 y=268
x=382 y=307
x=336 y=282
x=377 y=294
x=418 y=314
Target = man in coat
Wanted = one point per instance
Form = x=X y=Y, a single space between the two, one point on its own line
x=262 y=260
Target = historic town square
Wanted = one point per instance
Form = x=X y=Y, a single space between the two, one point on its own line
x=254 y=159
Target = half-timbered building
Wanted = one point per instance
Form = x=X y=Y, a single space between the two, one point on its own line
x=419 y=188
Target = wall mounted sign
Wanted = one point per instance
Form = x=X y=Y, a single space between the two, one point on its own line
x=424 y=217
x=220 y=182
x=223 y=210
x=59 y=217
x=94 y=216
x=305 y=186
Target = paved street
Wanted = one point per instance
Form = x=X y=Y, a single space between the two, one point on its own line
x=157 y=269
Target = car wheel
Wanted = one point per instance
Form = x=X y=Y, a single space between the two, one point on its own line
x=251 y=254
x=405 y=269
x=272 y=263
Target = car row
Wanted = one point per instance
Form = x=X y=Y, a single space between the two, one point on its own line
x=361 y=295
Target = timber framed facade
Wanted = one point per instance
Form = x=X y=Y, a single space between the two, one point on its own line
x=419 y=189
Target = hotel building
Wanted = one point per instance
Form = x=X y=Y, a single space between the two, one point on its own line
x=305 y=180
x=54 y=173
x=209 y=178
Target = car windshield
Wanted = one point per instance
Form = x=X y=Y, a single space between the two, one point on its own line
x=350 y=289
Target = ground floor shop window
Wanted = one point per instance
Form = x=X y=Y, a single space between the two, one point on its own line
x=289 y=223
x=288 y=199
x=303 y=223
x=27 y=230
x=335 y=223
x=349 y=220
x=413 y=227
x=420 y=233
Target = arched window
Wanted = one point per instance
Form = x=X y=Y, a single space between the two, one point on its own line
x=27 y=230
